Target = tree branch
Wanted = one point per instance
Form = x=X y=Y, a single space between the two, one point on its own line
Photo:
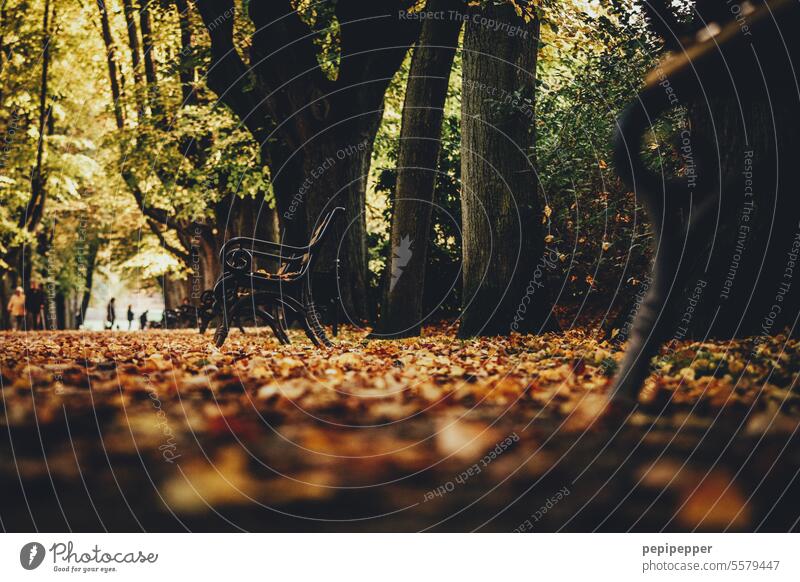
x=180 y=253
x=374 y=38
x=283 y=46
x=228 y=75
x=158 y=214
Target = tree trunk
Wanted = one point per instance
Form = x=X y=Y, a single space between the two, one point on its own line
x=205 y=262
x=35 y=206
x=187 y=70
x=175 y=290
x=249 y=216
x=743 y=266
x=136 y=56
x=345 y=153
x=34 y=209
x=504 y=264
x=91 y=262
x=154 y=95
x=111 y=61
x=423 y=110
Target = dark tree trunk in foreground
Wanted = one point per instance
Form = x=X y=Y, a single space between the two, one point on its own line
x=742 y=281
x=745 y=269
x=423 y=110
x=316 y=133
x=503 y=265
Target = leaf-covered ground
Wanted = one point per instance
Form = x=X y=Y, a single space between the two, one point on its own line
x=161 y=431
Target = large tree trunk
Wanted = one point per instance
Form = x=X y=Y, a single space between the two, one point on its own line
x=345 y=153
x=423 y=110
x=250 y=217
x=503 y=264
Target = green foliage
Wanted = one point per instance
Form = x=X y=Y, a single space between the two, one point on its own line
x=591 y=62
x=583 y=85
x=186 y=158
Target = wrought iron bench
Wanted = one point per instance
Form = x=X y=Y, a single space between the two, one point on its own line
x=726 y=55
x=248 y=288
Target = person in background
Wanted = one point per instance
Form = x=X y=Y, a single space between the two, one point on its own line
x=34 y=302
x=111 y=314
x=16 y=309
x=188 y=313
x=130 y=317
x=143 y=320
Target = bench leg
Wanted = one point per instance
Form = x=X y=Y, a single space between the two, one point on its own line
x=336 y=317
x=281 y=327
x=675 y=260
x=314 y=328
x=221 y=334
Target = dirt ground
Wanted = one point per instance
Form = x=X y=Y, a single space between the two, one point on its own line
x=159 y=431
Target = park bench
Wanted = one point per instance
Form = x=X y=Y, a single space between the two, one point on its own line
x=272 y=282
x=735 y=55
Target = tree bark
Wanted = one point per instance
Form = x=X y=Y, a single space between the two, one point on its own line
x=504 y=268
x=91 y=262
x=148 y=47
x=35 y=207
x=187 y=70
x=175 y=290
x=423 y=110
x=136 y=56
x=737 y=283
x=113 y=66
